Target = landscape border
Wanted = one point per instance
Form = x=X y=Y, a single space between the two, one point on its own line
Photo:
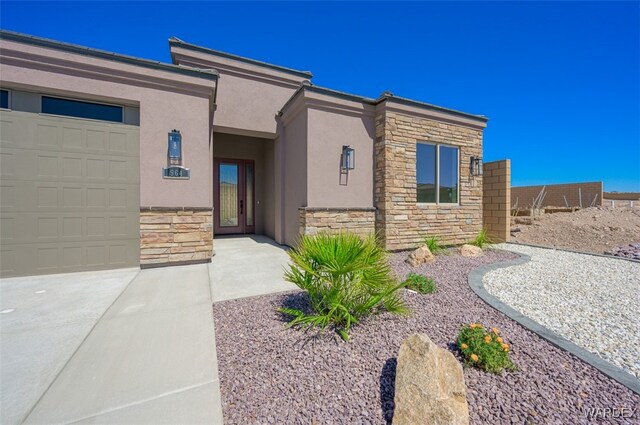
x=475 y=283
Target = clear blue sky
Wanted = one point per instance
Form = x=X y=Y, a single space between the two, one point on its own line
x=560 y=82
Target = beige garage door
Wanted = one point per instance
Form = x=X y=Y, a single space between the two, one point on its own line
x=69 y=194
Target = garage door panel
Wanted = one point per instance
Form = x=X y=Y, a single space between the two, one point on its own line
x=69 y=196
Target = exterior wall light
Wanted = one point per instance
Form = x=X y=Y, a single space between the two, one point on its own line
x=348 y=158
x=476 y=166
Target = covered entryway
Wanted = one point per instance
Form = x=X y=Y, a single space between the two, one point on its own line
x=70 y=194
x=243 y=185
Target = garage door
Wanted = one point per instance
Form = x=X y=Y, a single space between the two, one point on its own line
x=69 y=194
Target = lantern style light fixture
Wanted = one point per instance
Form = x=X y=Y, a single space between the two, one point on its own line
x=348 y=158
x=476 y=166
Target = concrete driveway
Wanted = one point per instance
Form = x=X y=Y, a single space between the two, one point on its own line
x=125 y=347
x=43 y=321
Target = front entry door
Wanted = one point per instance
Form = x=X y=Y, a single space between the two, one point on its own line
x=234 y=197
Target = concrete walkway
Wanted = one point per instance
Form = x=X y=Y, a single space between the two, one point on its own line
x=149 y=360
x=246 y=266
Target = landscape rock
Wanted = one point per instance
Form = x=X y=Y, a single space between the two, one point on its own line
x=628 y=251
x=467 y=250
x=420 y=256
x=430 y=385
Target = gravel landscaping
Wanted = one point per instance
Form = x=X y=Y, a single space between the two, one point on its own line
x=591 y=301
x=270 y=374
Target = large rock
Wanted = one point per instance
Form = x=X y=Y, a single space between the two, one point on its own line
x=429 y=385
x=420 y=256
x=470 y=251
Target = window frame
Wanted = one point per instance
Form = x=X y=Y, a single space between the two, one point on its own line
x=437 y=184
x=122 y=108
x=8 y=108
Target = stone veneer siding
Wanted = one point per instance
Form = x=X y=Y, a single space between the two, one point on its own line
x=333 y=220
x=175 y=236
x=496 y=203
x=401 y=222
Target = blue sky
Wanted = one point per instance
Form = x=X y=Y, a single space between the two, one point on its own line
x=560 y=81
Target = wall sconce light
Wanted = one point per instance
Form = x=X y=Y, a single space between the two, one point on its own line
x=348 y=158
x=476 y=166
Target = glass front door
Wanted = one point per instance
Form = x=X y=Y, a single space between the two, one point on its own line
x=235 y=196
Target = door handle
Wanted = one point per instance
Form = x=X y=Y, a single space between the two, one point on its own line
x=241 y=204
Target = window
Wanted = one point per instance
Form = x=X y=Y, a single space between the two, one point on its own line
x=437 y=174
x=4 y=99
x=80 y=109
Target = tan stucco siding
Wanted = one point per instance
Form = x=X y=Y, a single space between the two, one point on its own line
x=249 y=96
x=328 y=132
x=249 y=105
x=294 y=144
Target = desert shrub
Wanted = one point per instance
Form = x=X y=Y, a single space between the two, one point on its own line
x=420 y=283
x=482 y=239
x=434 y=245
x=346 y=277
x=484 y=349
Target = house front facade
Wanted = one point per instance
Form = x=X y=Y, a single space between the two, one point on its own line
x=114 y=161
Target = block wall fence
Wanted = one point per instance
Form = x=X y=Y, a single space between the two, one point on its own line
x=496 y=200
x=556 y=194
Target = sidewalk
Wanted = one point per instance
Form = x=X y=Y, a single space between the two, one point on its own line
x=247 y=266
x=150 y=359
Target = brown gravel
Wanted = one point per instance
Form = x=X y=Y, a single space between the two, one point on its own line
x=594 y=230
x=269 y=374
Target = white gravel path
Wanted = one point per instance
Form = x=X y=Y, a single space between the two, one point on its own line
x=592 y=301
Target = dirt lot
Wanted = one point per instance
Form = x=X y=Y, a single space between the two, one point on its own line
x=596 y=230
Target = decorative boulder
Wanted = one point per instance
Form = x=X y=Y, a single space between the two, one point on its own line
x=470 y=251
x=420 y=256
x=429 y=385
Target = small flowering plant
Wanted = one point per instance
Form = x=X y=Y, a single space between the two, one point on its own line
x=484 y=348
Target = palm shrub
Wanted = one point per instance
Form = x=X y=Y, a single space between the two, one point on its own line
x=433 y=243
x=482 y=239
x=346 y=277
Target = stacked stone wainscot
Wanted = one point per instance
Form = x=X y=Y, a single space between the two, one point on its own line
x=401 y=222
x=360 y=221
x=175 y=236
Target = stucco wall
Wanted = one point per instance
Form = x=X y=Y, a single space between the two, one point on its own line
x=269 y=198
x=166 y=101
x=249 y=96
x=241 y=147
x=295 y=175
x=328 y=131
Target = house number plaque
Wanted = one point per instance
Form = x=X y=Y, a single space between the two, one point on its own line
x=174 y=169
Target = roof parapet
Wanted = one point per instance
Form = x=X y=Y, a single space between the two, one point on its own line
x=107 y=55
x=384 y=96
x=175 y=41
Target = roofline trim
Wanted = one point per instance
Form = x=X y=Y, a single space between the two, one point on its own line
x=424 y=105
x=174 y=41
x=104 y=54
x=382 y=98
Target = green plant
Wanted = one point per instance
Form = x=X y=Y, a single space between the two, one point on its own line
x=484 y=349
x=420 y=283
x=482 y=239
x=346 y=277
x=433 y=243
